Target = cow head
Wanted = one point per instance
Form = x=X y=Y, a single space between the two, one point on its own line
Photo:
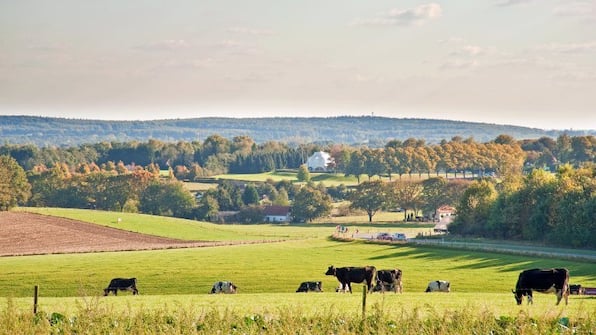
x=330 y=271
x=518 y=295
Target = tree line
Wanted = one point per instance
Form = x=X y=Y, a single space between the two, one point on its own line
x=219 y=155
x=551 y=208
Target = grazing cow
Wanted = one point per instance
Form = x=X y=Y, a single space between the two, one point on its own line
x=224 y=287
x=544 y=281
x=438 y=286
x=308 y=286
x=350 y=274
x=575 y=289
x=122 y=284
x=388 y=280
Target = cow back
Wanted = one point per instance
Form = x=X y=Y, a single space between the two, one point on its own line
x=123 y=282
x=542 y=279
x=355 y=274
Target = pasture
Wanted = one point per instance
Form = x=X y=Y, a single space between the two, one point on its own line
x=268 y=274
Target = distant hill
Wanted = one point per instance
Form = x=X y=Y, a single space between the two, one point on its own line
x=374 y=131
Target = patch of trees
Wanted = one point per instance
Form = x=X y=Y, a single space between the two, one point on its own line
x=557 y=209
x=412 y=197
x=218 y=155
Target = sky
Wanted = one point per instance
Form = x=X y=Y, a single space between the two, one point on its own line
x=516 y=62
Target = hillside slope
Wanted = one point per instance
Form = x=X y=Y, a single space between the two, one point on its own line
x=375 y=131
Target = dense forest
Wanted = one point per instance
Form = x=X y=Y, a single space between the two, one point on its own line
x=367 y=130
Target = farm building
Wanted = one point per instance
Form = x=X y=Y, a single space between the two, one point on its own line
x=275 y=213
x=319 y=161
x=445 y=215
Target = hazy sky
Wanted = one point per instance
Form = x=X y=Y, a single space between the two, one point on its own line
x=521 y=62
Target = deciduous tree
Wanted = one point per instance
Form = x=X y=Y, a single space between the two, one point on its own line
x=14 y=186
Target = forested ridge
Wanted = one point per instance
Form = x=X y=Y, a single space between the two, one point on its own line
x=373 y=131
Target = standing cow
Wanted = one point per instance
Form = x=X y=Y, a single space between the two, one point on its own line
x=351 y=274
x=544 y=281
x=438 y=286
x=122 y=284
x=310 y=286
x=388 y=280
x=226 y=287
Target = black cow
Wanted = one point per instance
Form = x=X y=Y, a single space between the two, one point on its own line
x=388 y=280
x=350 y=274
x=575 y=289
x=122 y=284
x=544 y=281
x=308 y=286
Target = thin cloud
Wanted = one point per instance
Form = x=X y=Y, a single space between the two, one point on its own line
x=459 y=64
x=507 y=3
x=570 y=48
x=165 y=45
x=405 y=17
x=580 y=9
x=249 y=31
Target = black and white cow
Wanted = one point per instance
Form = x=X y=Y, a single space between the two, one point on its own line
x=122 y=284
x=388 y=280
x=438 y=286
x=310 y=286
x=224 y=287
x=351 y=274
x=544 y=281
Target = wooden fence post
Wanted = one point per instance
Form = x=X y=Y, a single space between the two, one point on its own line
x=35 y=296
x=363 y=301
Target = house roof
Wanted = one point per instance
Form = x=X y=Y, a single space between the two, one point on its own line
x=446 y=209
x=276 y=210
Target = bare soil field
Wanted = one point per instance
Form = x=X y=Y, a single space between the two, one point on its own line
x=35 y=234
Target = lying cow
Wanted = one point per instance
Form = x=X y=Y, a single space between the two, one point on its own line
x=388 y=280
x=122 y=284
x=310 y=286
x=438 y=286
x=544 y=281
x=350 y=274
x=224 y=287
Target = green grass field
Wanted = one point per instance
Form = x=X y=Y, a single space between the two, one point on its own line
x=268 y=274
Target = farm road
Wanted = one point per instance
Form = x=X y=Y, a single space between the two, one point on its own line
x=570 y=254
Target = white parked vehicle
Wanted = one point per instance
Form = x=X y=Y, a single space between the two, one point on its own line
x=399 y=237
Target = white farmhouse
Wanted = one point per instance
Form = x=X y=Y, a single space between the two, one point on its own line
x=319 y=161
x=275 y=213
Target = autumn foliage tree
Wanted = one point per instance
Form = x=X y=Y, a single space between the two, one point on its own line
x=370 y=196
x=14 y=187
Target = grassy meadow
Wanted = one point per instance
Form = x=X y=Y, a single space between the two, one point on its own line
x=176 y=282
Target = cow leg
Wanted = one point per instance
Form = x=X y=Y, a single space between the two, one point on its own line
x=530 y=298
x=562 y=293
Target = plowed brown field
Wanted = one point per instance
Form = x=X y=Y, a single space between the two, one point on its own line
x=34 y=234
